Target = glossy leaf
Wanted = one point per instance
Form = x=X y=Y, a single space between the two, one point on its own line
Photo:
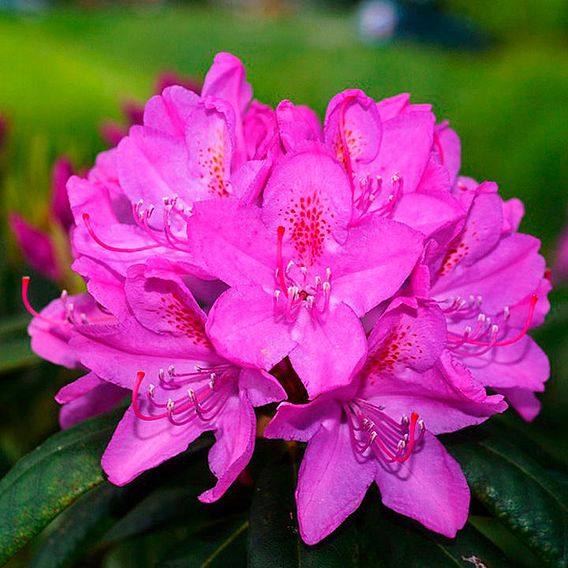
x=50 y=479
x=273 y=535
x=527 y=497
x=80 y=528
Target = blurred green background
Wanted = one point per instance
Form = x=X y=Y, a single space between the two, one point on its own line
x=63 y=71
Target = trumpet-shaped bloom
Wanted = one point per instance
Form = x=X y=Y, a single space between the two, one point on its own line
x=299 y=283
x=180 y=386
x=490 y=282
x=382 y=428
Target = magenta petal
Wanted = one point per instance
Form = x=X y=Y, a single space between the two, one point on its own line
x=169 y=112
x=138 y=445
x=100 y=399
x=430 y=487
x=522 y=365
x=414 y=132
x=243 y=329
x=302 y=421
x=230 y=241
x=330 y=351
x=37 y=247
x=515 y=261
x=523 y=401
x=364 y=280
x=51 y=336
x=297 y=125
x=332 y=482
x=235 y=435
x=352 y=129
x=261 y=387
x=448 y=145
x=78 y=388
x=309 y=195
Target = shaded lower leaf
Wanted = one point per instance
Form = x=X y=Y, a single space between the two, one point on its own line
x=391 y=540
x=517 y=489
x=50 y=479
x=273 y=534
x=83 y=524
x=15 y=353
x=222 y=546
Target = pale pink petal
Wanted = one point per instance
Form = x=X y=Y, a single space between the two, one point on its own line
x=297 y=125
x=448 y=146
x=59 y=206
x=430 y=487
x=261 y=388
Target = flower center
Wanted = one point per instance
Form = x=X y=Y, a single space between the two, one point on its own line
x=367 y=191
x=294 y=289
x=211 y=387
x=374 y=431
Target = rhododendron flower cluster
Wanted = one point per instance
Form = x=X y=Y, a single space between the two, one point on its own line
x=237 y=256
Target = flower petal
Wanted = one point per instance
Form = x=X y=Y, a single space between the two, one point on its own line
x=430 y=487
x=332 y=482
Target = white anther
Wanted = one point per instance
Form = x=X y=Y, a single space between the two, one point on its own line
x=326 y=286
x=64 y=295
x=277 y=294
x=404 y=421
x=170 y=405
x=421 y=425
x=506 y=313
x=84 y=318
x=151 y=389
x=289 y=266
x=171 y=370
x=328 y=272
x=467 y=331
x=161 y=374
x=318 y=281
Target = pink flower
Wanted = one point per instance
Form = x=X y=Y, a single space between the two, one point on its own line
x=39 y=246
x=181 y=387
x=490 y=282
x=382 y=428
x=137 y=201
x=299 y=280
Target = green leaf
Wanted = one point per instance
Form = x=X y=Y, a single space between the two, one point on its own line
x=374 y=536
x=15 y=353
x=80 y=528
x=273 y=534
x=391 y=540
x=530 y=500
x=50 y=479
x=224 y=548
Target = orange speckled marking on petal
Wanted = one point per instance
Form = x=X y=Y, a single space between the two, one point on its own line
x=396 y=348
x=212 y=160
x=307 y=224
x=187 y=322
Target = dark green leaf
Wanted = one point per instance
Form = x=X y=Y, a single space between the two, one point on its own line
x=15 y=353
x=50 y=479
x=273 y=532
x=516 y=488
x=80 y=528
x=223 y=547
x=391 y=540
